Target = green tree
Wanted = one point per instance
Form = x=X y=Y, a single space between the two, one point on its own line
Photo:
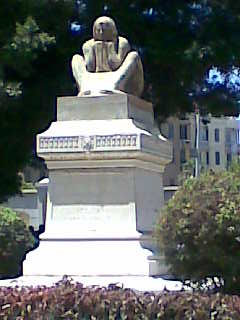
x=34 y=69
x=179 y=41
x=199 y=229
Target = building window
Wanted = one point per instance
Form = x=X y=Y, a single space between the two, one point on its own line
x=182 y=156
x=217 y=158
x=205 y=134
x=228 y=136
x=183 y=132
x=217 y=136
x=238 y=136
x=207 y=158
x=229 y=159
x=173 y=155
x=170 y=131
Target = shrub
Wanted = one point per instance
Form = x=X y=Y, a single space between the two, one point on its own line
x=15 y=241
x=68 y=300
x=199 y=229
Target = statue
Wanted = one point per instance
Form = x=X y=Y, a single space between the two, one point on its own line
x=107 y=64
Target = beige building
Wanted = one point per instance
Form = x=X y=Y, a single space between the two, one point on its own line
x=219 y=142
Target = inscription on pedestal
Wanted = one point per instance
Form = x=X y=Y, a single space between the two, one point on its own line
x=96 y=217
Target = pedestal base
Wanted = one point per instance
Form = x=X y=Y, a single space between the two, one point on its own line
x=88 y=257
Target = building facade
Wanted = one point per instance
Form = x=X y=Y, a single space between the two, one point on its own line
x=219 y=142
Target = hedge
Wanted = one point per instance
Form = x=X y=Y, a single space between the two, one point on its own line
x=15 y=241
x=68 y=300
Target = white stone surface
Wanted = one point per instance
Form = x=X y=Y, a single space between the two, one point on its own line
x=102 y=140
x=105 y=186
x=110 y=201
x=105 y=107
x=89 y=212
x=92 y=127
x=134 y=282
x=87 y=257
x=92 y=221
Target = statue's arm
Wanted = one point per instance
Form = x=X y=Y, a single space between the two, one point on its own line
x=89 y=55
x=116 y=56
x=123 y=47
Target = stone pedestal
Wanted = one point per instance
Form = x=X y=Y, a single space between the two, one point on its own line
x=105 y=161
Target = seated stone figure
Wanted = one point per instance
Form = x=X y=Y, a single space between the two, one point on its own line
x=107 y=64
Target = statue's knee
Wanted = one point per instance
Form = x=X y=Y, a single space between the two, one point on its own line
x=78 y=66
x=133 y=57
x=132 y=61
x=77 y=60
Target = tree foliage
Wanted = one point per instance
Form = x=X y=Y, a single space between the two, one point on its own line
x=15 y=241
x=34 y=69
x=199 y=229
x=179 y=41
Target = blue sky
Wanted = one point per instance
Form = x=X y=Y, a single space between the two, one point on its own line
x=230 y=79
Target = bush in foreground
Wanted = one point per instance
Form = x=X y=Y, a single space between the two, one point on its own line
x=199 y=229
x=68 y=300
x=15 y=241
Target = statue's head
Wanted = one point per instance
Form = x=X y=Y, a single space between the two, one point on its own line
x=104 y=29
